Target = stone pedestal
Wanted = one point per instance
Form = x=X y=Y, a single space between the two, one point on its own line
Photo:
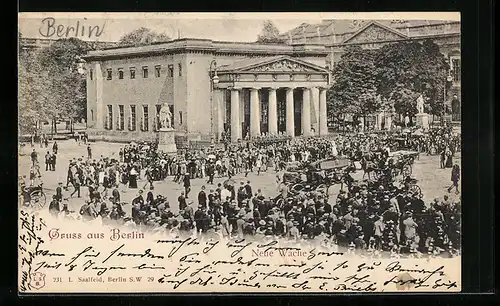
x=166 y=140
x=423 y=120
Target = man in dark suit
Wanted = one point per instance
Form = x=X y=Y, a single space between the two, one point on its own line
x=58 y=194
x=187 y=184
x=202 y=197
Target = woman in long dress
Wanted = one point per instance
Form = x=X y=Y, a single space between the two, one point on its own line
x=132 y=183
x=449 y=158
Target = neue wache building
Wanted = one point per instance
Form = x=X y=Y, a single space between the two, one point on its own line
x=244 y=89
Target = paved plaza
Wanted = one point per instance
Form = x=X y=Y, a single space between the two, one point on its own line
x=432 y=180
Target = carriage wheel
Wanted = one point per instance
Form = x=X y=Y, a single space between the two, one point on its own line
x=298 y=187
x=37 y=199
x=280 y=202
x=406 y=171
x=415 y=189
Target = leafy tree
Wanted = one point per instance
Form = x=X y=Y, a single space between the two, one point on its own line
x=406 y=70
x=141 y=37
x=354 y=89
x=270 y=34
x=34 y=88
x=62 y=61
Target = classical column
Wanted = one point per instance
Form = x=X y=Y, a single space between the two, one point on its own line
x=219 y=111
x=254 y=112
x=100 y=115
x=235 y=114
x=388 y=122
x=273 y=112
x=306 y=112
x=323 y=114
x=290 y=120
x=316 y=108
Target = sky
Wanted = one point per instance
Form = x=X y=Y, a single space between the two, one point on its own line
x=243 y=27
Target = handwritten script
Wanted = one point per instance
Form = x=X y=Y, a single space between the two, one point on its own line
x=160 y=263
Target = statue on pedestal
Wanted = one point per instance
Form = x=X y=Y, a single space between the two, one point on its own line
x=165 y=116
x=420 y=104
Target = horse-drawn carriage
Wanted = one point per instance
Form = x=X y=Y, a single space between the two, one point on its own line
x=316 y=176
x=33 y=196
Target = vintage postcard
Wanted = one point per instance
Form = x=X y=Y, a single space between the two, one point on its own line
x=239 y=152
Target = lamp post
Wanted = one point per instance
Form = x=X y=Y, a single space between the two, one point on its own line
x=214 y=80
x=449 y=78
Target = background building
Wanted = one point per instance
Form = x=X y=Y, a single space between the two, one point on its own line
x=211 y=87
x=336 y=35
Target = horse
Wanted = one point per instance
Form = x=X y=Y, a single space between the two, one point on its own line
x=368 y=164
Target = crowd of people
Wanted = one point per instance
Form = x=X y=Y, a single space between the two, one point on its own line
x=365 y=216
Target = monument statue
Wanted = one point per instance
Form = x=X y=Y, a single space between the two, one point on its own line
x=420 y=104
x=165 y=116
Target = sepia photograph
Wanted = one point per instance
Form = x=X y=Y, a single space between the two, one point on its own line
x=239 y=152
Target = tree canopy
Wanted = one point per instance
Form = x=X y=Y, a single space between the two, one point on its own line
x=141 y=37
x=50 y=83
x=392 y=77
x=354 y=88
x=270 y=34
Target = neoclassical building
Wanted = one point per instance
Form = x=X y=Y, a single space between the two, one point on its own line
x=336 y=35
x=243 y=89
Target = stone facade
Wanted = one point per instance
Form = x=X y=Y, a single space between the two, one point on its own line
x=256 y=82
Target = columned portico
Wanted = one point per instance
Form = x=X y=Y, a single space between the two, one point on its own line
x=270 y=97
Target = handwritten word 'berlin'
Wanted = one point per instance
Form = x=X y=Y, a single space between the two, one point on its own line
x=50 y=28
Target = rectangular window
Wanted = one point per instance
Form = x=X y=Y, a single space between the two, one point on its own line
x=109 y=74
x=171 y=71
x=121 y=118
x=455 y=69
x=145 y=118
x=180 y=117
x=91 y=74
x=158 y=71
x=180 y=69
x=133 y=118
x=109 y=118
x=92 y=114
x=132 y=72
x=120 y=73
x=145 y=72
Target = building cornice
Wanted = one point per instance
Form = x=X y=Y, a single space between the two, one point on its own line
x=423 y=37
x=188 y=45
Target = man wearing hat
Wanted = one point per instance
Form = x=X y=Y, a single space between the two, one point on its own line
x=242 y=193
x=202 y=197
x=54 y=207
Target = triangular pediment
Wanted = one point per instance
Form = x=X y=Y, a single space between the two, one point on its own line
x=373 y=32
x=284 y=64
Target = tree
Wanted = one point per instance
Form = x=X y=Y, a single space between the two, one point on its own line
x=34 y=88
x=354 y=89
x=270 y=34
x=62 y=61
x=406 y=70
x=142 y=37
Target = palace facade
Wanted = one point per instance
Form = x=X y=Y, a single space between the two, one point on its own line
x=241 y=89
